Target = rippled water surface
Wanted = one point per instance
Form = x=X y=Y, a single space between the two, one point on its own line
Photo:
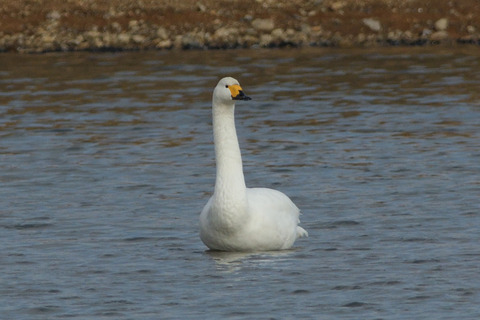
x=106 y=160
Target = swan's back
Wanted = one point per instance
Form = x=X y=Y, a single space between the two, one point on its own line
x=274 y=216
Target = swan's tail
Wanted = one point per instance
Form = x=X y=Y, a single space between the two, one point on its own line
x=301 y=232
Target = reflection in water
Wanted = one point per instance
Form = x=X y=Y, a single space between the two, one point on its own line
x=235 y=261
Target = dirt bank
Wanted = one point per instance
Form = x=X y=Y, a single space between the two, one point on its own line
x=70 y=25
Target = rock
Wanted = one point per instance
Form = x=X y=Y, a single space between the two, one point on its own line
x=201 y=7
x=162 y=33
x=108 y=39
x=337 y=5
x=392 y=36
x=224 y=37
x=439 y=36
x=193 y=40
x=133 y=25
x=76 y=40
x=373 y=24
x=124 y=38
x=177 y=42
x=441 y=24
x=278 y=34
x=164 y=44
x=407 y=35
x=111 y=13
x=299 y=39
x=248 y=17
x=306 y=29
x=53 y=15
x=265 y=40
x=264 y=25
x=225 y=33
x=249 y=41
x=138 y=38
x=116 y=27
x=48 y=38
x=425 y=33
x=317 y=30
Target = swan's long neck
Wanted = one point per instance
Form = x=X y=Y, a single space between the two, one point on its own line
x=230 y=189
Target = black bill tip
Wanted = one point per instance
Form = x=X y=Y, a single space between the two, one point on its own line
x=241 y=96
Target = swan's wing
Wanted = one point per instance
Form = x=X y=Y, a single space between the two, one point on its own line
x=301 y=232
x=273 y=205
x=270 y=200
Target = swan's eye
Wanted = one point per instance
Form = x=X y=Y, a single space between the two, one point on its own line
x=226 y=86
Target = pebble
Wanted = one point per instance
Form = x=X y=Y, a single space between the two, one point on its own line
x=278 y=33
x=138 y=38
x=265 y=40
x=337 y=5
x=373 y=24
x=164 y=44
x=116 y=27
x=54 y=15
x=441 y=24
x=265 y=25
x=439 y=36
x=124 y=38
x=162 y=33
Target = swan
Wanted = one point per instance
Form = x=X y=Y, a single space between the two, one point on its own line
x=237 y=218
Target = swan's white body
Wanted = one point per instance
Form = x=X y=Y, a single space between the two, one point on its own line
x=237 y=218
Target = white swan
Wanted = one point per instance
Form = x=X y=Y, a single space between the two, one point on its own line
x=237 y=218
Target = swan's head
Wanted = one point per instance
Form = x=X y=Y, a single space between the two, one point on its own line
x=229 y=89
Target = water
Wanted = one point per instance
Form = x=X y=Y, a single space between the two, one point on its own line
x=107 y=159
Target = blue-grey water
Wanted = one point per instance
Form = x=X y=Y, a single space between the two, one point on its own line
x=106 y=160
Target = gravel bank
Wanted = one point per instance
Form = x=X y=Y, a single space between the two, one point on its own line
x=72 y=25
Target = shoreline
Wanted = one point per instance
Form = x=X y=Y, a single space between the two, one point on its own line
x=119 y=25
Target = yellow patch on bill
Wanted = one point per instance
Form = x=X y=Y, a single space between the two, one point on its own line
x=235 y=90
